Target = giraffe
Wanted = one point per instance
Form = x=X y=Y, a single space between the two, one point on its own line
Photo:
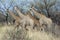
x=16 y=18
x=26 y=20
x=43 y=20
x=36 y=22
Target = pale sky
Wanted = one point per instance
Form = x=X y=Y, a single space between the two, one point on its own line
x=24 y=3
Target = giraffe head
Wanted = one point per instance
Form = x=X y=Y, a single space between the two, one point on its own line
x=15 y=7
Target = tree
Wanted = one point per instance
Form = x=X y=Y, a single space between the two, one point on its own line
x=5 y=8
x=45 y=5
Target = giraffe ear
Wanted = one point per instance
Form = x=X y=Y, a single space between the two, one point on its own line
x=15 y=7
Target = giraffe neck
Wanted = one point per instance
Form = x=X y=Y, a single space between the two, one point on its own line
x=19 y=13
x=30 y=14
x=36 y=15
x=12 y=14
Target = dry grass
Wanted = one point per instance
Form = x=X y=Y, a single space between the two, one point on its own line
x=41 y=36
x=26 y=35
